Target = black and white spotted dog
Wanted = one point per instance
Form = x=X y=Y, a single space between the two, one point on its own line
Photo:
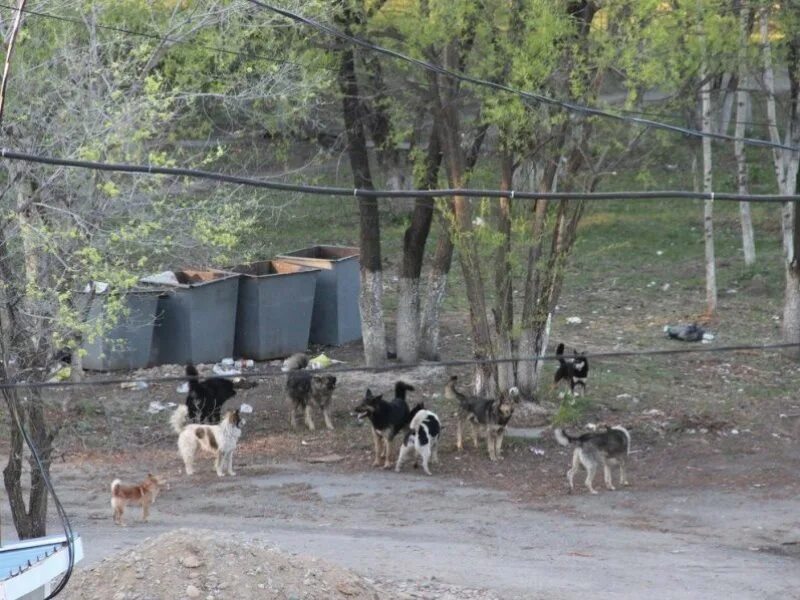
x=422 y=439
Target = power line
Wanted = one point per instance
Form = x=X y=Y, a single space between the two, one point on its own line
x=274 y=374
x=368 y=193
x=539 y=98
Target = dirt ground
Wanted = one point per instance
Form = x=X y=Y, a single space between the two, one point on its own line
x=712 y=510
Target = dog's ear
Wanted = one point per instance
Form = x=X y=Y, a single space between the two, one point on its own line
x=332 y=379
x=368 y=394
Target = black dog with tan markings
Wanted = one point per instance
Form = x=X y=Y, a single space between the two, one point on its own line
x=387 y=419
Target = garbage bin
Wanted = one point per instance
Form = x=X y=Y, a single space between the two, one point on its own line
x=336 y=318
x=196 y=316
x=128 y=343
x=273 y=317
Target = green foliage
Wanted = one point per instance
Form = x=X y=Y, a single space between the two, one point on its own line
x=571 y=410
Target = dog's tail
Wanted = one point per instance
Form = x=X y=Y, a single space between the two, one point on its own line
x=451 y=393
x=562 y=437
x=114 y=485
x=191 y=372
x=627 y=437
x=400 y=389
x=179 y=418
x=560 y=353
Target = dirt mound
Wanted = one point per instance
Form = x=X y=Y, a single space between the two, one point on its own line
x=192 y=563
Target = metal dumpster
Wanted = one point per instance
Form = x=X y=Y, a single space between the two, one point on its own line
x=128 y=343
x=273 y=317
x=196 y=316
x=336 y=318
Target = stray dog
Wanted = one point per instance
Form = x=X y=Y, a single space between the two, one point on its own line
x=217 y=440
x=206 y=396
x=421 y=439
x=295 y=362
x=387 y=419
x=606 y=448
x=494 y=415
x=573 y=370
x=303 y=389
x=143 y=494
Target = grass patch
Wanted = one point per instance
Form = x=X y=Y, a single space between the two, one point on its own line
x=571 y=411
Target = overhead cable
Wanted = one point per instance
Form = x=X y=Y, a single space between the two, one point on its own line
x=8 y=154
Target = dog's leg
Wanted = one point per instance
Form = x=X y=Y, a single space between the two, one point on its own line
x=607 y=476
x=293 y=415
x=401 y=457
x=309 y=420
x=591 y=469
x=474 y=434
x=490 y=443
x=435 y=450
x=145 y=511
x=230 y=464
x=459 y=441
x=623 y=479
x=387 y=453
x=500 y=436
x=118 y=510
x=187 y=454
x=576 y=462
x=326 y=414
x=378 y=446
x=219 y=463
x=425 y=453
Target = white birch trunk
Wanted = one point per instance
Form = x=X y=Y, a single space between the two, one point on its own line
x=786 y=165
x=708 y=210
x=748 y=240
x=505 y=371
x=742 y=109
x=373 y=330
x=408 y=338
x=429 y=326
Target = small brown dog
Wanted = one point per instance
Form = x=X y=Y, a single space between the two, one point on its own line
x=143 y=494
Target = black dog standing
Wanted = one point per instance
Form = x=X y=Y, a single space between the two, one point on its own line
x=574 y=370
x=206 y=396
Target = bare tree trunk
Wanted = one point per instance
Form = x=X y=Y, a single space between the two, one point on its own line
x=23 y=331
x=728 y=90
x=742 y=101
x=409 y=339
x=786 y=164
x=371 y=297
x=708 y=209
x=446 y=93
x=504 y=306
x=436 y=291
x=31 y=521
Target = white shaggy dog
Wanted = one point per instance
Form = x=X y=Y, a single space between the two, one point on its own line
x=421 y=439
x=218 y=440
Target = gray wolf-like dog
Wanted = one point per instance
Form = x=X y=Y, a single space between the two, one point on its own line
x=598 y=448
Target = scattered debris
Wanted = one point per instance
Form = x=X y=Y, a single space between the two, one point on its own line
x=157 y=407
x=225 y=371
x=165 y=277
x=536 y=451
x=686 y=333
x=183 y=388
x=574 y=320
x=134 y=385
x=327 y=458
